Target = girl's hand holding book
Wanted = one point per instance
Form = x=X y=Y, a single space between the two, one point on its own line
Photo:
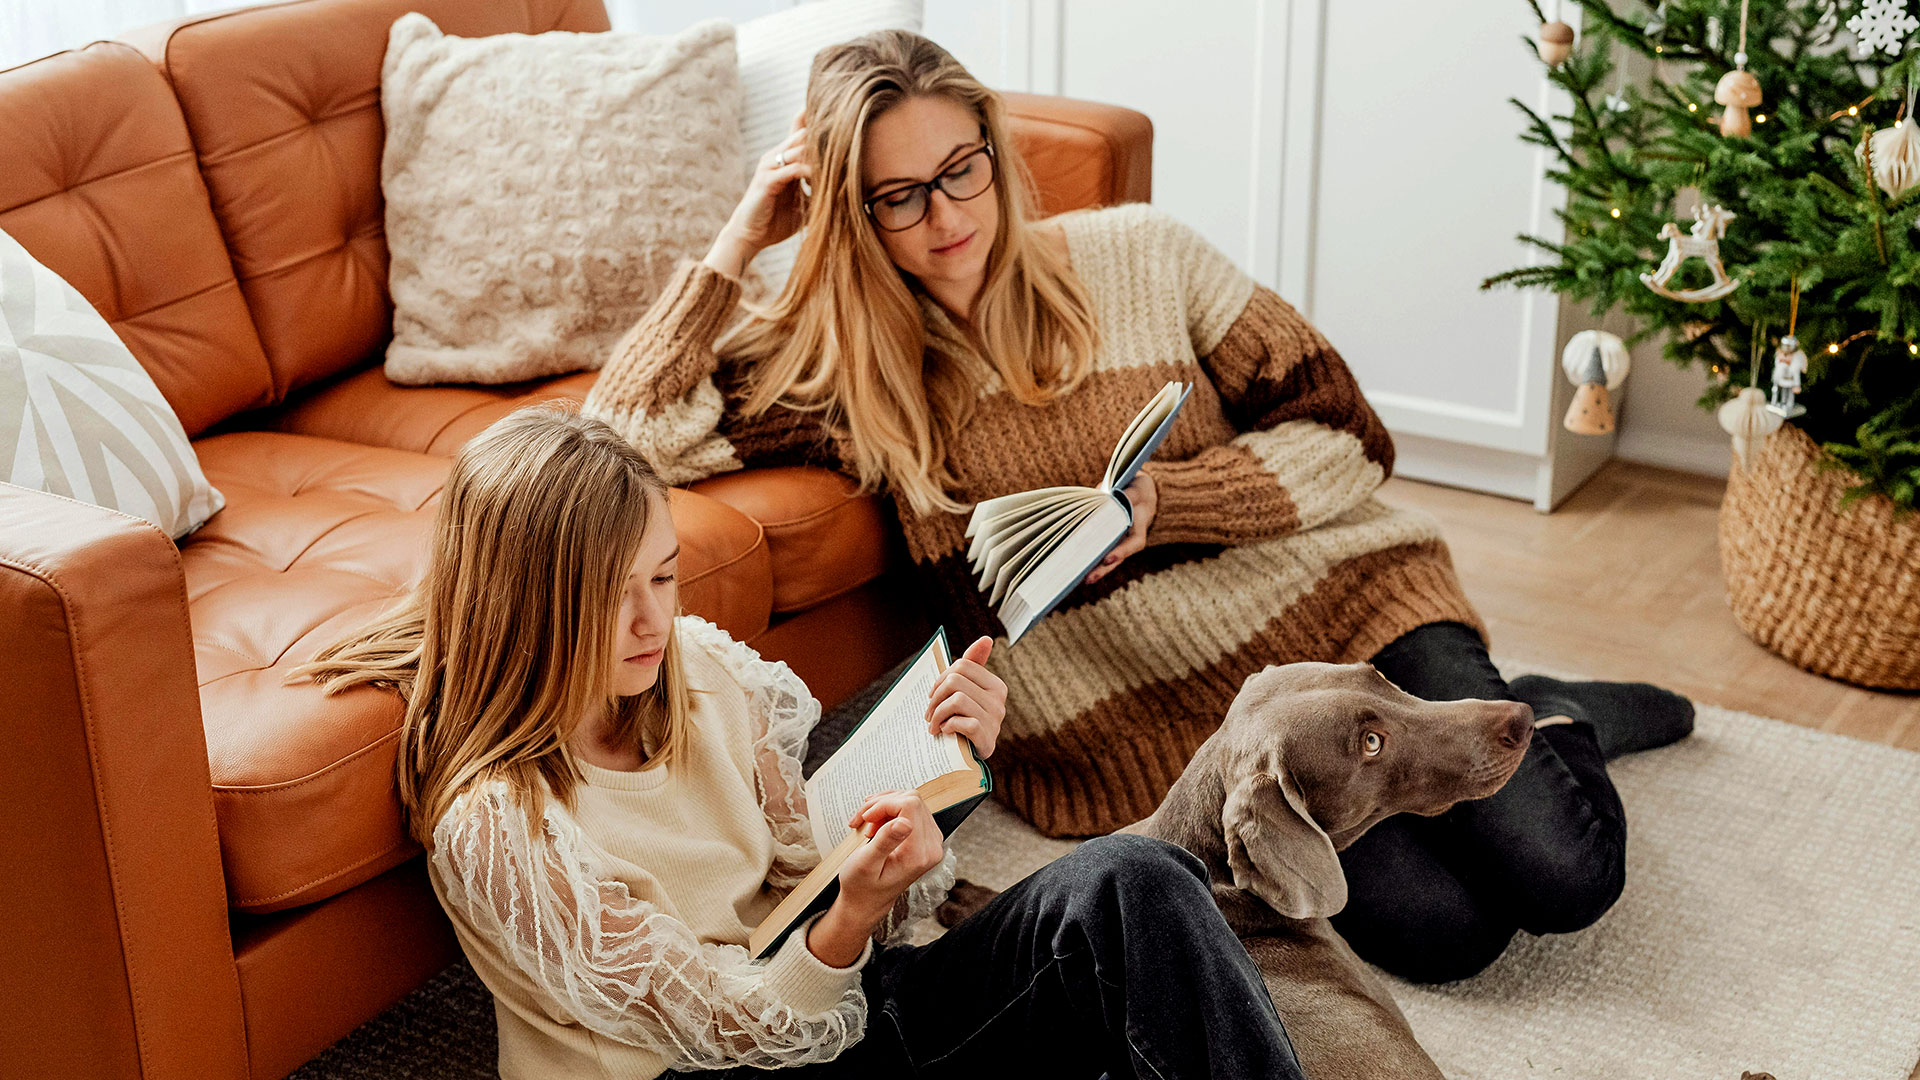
x=905 y=843
x=969 y=701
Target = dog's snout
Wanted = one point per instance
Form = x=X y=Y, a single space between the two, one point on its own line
x=1518 y=726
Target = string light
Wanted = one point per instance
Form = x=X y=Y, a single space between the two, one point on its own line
x=1853 y=110
x=1912 y=349
x=1834 y=348
x=1691 y=107
x=1760 y=118
x=1615 y=211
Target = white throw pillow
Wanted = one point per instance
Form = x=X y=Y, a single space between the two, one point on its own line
x=776 y=54
x=540 y=189
x=79 y=416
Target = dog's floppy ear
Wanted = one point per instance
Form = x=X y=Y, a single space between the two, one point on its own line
x=1277 y=851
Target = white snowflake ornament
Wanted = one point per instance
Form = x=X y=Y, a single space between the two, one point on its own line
x=1882 y=24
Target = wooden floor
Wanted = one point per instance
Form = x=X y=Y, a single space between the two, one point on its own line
x=1623 y=582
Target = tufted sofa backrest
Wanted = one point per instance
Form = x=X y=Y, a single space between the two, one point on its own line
x=98 y=180
x=283 y=106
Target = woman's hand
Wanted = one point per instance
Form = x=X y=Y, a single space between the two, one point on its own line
x=969 y=701
x=1145 y=501
x=771 y=210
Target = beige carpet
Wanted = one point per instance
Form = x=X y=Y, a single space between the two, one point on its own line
x=1771 y=922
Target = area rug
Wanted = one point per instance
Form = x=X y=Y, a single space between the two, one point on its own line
x=1770 y=923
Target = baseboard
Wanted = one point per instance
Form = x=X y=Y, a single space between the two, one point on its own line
x=1706 y=455
x=1462 y=465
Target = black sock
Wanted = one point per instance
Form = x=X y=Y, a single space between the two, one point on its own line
x=1625 y=716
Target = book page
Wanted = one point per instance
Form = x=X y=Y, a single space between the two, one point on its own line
x=1047 y=583
x=1034 y=550
x=1144 y=435
x=890 y=750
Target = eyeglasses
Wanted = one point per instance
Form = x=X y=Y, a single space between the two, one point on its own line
x=903 y=208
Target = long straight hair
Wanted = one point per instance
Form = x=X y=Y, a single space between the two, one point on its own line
x=506 y=645
x=846 y=335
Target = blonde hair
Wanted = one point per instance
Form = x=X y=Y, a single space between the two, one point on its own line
x=507 y=643
x=846 y=336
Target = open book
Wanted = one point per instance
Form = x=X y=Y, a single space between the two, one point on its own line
x=888 y=750
x=1032 y=547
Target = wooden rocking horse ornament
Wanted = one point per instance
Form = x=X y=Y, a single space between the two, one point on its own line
x=1709 y=225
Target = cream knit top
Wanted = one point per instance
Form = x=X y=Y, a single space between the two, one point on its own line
x=612 y=936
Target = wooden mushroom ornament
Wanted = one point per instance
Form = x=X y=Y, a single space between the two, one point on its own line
x=1596 y=362
x=1738 y=91
x=1556 y=42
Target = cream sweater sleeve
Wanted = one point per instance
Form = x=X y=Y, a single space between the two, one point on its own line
x=618 y=966
x=667 y=390
x=1309 y=447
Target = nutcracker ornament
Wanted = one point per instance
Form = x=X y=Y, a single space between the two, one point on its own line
x=1789 y=365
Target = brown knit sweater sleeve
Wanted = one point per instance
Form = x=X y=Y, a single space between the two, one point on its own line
x=1309 y=449
x=668 y=392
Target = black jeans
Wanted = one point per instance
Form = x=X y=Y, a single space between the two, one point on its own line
x=1435 y=899
x=1113 y=959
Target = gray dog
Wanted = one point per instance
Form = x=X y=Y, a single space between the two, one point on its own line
x=1309 y=757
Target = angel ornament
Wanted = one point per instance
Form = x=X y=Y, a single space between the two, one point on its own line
x=1789 y=364
x=1709 y=225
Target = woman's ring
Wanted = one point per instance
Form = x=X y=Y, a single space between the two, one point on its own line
x=780 y=159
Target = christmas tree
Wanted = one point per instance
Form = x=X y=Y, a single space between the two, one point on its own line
x=1821 y=240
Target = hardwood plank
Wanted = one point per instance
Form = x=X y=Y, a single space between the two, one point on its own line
x=1624 y=582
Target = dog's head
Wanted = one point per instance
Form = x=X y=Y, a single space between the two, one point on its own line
x=1313 y=755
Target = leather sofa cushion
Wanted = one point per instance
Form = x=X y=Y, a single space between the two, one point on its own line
x=317 y=538
x=98 y=181
x=283 y=104
x=367 y=407
x=824 y=538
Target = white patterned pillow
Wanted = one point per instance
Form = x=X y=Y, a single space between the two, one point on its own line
x=79 y=416
x=540 y=189
x=776 y=54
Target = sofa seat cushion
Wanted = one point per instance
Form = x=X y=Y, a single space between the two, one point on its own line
x=368 y=408
x=826 y=539
x=317 y=538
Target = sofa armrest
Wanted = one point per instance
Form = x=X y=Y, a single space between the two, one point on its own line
x=115 y=899
x=1082 y=153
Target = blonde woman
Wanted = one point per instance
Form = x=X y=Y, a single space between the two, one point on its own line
x=610 y=798
x=943 y=347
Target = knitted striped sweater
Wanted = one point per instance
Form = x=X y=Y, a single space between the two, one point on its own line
x=1268 y=546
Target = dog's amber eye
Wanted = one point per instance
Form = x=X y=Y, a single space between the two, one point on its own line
x=1373 y=742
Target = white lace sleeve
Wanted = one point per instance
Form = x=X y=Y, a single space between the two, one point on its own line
x=783 y=714
x=918 y=902
x=618 y=966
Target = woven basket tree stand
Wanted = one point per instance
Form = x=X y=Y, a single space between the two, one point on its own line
x=1834 y=591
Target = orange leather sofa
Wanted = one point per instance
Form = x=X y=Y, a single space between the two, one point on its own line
x=204 y=872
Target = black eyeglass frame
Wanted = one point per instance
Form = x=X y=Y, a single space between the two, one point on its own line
x=938 y=183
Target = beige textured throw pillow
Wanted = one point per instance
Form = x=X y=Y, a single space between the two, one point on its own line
x=541 y=188
x=79 y=416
